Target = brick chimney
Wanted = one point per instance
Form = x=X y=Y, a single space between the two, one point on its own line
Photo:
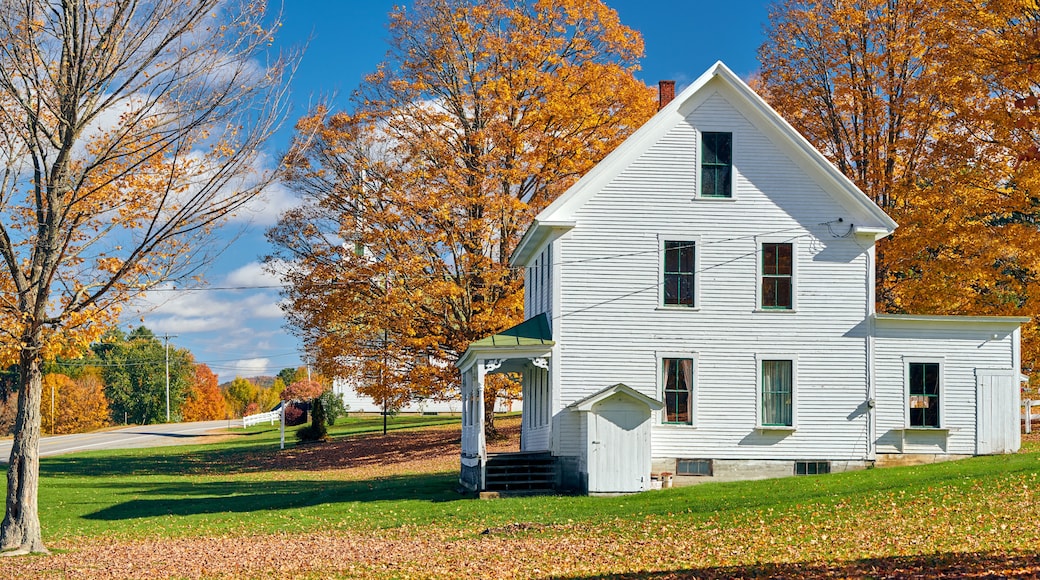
x=665 y=93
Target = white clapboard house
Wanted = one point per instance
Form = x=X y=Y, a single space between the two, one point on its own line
x=701 y=303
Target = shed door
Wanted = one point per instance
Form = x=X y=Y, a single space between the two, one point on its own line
x=997 y=423
x=619 y=446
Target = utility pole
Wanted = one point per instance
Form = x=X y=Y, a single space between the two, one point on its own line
x=166 y=341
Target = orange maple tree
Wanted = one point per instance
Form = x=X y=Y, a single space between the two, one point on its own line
x=204 y=402
x=484 y=112
x=930 y=108
x=128 y=132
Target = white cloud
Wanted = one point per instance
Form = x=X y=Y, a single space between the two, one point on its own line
x=253 y=275
x=266 y=208
x=252 y=367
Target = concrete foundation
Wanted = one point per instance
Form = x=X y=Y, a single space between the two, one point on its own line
x=747 y=469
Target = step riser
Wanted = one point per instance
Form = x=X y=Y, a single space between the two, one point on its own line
x=521 y=472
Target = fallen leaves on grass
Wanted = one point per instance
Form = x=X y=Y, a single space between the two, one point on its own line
x=960 y=528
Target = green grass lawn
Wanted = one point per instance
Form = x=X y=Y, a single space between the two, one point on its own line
x=896 y=520
x=176 y=491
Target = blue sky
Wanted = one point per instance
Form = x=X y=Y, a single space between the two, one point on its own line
x=236 y=326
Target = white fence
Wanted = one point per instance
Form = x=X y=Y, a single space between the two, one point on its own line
x=1029 y=413
x=272 y=416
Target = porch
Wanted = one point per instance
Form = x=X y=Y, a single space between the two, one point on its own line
x=524 y=349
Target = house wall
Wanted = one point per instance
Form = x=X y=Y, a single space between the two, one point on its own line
x=536 y=394
x=536 y=413
x=538 y=285
x=610 y=327
x=961 y=348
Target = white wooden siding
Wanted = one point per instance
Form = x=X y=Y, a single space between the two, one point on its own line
x=536 y=416
x=538 y=285
x=963 y=348
x=609 y=325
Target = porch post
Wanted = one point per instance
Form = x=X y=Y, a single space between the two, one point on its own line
x=478 y=418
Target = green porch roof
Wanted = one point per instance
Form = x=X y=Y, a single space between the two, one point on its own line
x=531 y=332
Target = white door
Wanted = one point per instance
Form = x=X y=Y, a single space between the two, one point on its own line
x=619 y=446
x=997 y=420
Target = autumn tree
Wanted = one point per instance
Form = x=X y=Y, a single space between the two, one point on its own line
x=239 y=394
x=915 y=101
x=484 y=112
x=128 y=133
x=134 y=367
x=204 y=401
x=75 y=405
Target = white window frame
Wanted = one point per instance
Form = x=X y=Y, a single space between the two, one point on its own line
x=663 y=413
x=941 y=361
x=697 y=246
x=759 y=358
x=759 y=242
x=732 y=166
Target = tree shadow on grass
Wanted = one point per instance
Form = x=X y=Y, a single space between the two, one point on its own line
x=255 y=457
x=939 y=565
x=185 y=499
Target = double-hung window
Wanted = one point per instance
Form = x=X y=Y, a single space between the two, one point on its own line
x=776 y=392
x=680 y=270
x=777 y=276
x=716 y=164
x=677 y=375
x=924 y=386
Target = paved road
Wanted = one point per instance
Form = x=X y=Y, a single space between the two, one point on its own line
x=140 y=436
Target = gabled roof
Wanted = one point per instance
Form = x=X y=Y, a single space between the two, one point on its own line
x=614 y=390
x=559 y=217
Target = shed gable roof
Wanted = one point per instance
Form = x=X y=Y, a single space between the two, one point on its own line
x=559 y=217
x=619 y=389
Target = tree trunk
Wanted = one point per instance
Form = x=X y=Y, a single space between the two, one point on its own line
x=20 y=531
x=490 y=398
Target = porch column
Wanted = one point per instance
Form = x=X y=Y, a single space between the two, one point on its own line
x=469 y=476
x=484 y=366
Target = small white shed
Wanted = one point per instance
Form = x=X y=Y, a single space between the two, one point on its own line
x=616 y=439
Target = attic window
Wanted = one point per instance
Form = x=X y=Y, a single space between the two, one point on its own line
x=716 y=164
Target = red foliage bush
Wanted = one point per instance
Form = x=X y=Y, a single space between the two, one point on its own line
x=294 y=415
x=251 y=409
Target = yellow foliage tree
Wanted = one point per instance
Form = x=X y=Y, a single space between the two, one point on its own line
x=75 y=405
x=128 y=132
x=483 y=114
x=929 y=107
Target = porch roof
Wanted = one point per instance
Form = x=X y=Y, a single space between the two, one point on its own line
x=530 y=337
x=531 y=332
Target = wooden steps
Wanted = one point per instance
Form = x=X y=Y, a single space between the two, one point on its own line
x=525 y=471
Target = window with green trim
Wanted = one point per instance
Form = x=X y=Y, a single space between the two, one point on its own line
x=777 y=393
x=678 y=390
x=924 y=394
x=679 y=273
x=777 y=276
x=716 y=164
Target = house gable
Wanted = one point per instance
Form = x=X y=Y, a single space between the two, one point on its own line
x=718 y=81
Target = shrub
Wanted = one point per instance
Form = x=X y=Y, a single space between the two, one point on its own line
x=294 y=415
x=334 y=407
x=317 y=430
